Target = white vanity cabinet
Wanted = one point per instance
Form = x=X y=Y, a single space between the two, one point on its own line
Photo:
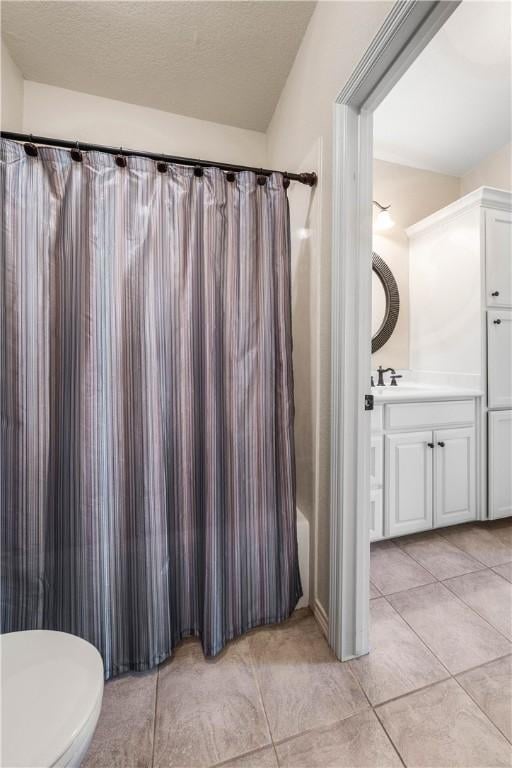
x=427 y=452
x=460 y=310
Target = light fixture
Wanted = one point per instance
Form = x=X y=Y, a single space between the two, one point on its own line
x=384 y=219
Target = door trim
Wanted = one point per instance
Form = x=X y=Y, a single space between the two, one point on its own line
x=408 y=28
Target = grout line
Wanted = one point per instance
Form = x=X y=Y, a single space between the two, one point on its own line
x=488 y=661
x=323 y=726
x=410 y=589
x=483 y=664
x=154 y=717
x=475 y=611
x=372 y=708
x=480 y=565
x=414 y=690
x=390 y=739
x=487 y=717
x=254 y=668
x=422 y=641
x=242 y=756
x=467 y=573
x=493 y=569
x=446 y=538
x=415 y=559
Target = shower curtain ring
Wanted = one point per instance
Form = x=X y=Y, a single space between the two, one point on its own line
x=121 y=159
x=30 y=148
x=76 y=154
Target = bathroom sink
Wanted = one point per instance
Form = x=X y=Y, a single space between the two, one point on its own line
x=400 y=389
x=420 y=392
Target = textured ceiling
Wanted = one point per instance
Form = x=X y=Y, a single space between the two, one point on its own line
x=453 y=106
x=220 y=61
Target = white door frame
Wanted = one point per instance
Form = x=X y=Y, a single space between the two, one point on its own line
x=408 y=28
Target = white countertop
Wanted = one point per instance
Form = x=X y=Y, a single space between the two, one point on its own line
x=407 y=393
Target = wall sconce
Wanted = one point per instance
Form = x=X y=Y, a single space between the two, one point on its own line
x=384 y=219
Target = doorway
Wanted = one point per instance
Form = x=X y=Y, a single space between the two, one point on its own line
x=407 y=30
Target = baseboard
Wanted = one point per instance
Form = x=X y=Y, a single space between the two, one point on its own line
x=321 y=617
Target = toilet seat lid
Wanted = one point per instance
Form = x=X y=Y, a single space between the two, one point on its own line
x=50 y=684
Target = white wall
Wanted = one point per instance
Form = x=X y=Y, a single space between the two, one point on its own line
x=64 y=114
x=11 y=113
x=413 y=194
x=494 y=171
x=301 y=128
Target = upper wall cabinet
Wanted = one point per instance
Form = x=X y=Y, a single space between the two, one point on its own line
x=460 y=265
x=498 y=258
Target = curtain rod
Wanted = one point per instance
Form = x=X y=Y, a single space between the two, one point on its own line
x=304 y=178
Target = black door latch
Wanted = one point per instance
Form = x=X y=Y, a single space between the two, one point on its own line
x=368 y=402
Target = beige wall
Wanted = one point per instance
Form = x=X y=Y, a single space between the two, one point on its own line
x=494 y=171
x=58 y=112
x=301 y=128
x=11 y=118
x=299 y=137
x=413 y=194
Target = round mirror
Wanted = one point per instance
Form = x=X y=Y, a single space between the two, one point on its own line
x=385 y=302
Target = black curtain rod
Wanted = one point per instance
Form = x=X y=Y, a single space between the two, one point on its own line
x=304 y=178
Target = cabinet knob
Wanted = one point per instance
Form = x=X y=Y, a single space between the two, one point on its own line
x=441 y=444
x=497 y=322
x=495 y=293
x=430 y=445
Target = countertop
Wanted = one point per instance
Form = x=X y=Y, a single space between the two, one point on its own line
x=410 y=393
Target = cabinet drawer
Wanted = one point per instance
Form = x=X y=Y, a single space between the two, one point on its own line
x=422 y=415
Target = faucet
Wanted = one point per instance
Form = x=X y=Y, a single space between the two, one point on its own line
x=394 y=376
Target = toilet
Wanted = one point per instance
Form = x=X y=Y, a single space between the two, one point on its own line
x=51 y=692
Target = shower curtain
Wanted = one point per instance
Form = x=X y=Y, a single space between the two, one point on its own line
x=147 y=458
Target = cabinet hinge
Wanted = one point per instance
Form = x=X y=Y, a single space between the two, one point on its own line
x=368 y=402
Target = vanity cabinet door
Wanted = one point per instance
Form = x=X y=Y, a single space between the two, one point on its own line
x=454 y=476
x=500 y=463
x=498 y=258
x=499 y=358
x=409 y=460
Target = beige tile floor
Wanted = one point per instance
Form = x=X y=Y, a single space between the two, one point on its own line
x=436 y=689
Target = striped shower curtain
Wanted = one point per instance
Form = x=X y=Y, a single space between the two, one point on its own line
x=147 y=458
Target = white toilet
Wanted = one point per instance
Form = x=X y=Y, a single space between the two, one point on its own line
x=51 y=692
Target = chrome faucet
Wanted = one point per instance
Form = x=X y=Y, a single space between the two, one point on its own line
x=394 y=376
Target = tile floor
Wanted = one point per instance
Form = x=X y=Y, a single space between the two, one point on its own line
x=436 y=689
